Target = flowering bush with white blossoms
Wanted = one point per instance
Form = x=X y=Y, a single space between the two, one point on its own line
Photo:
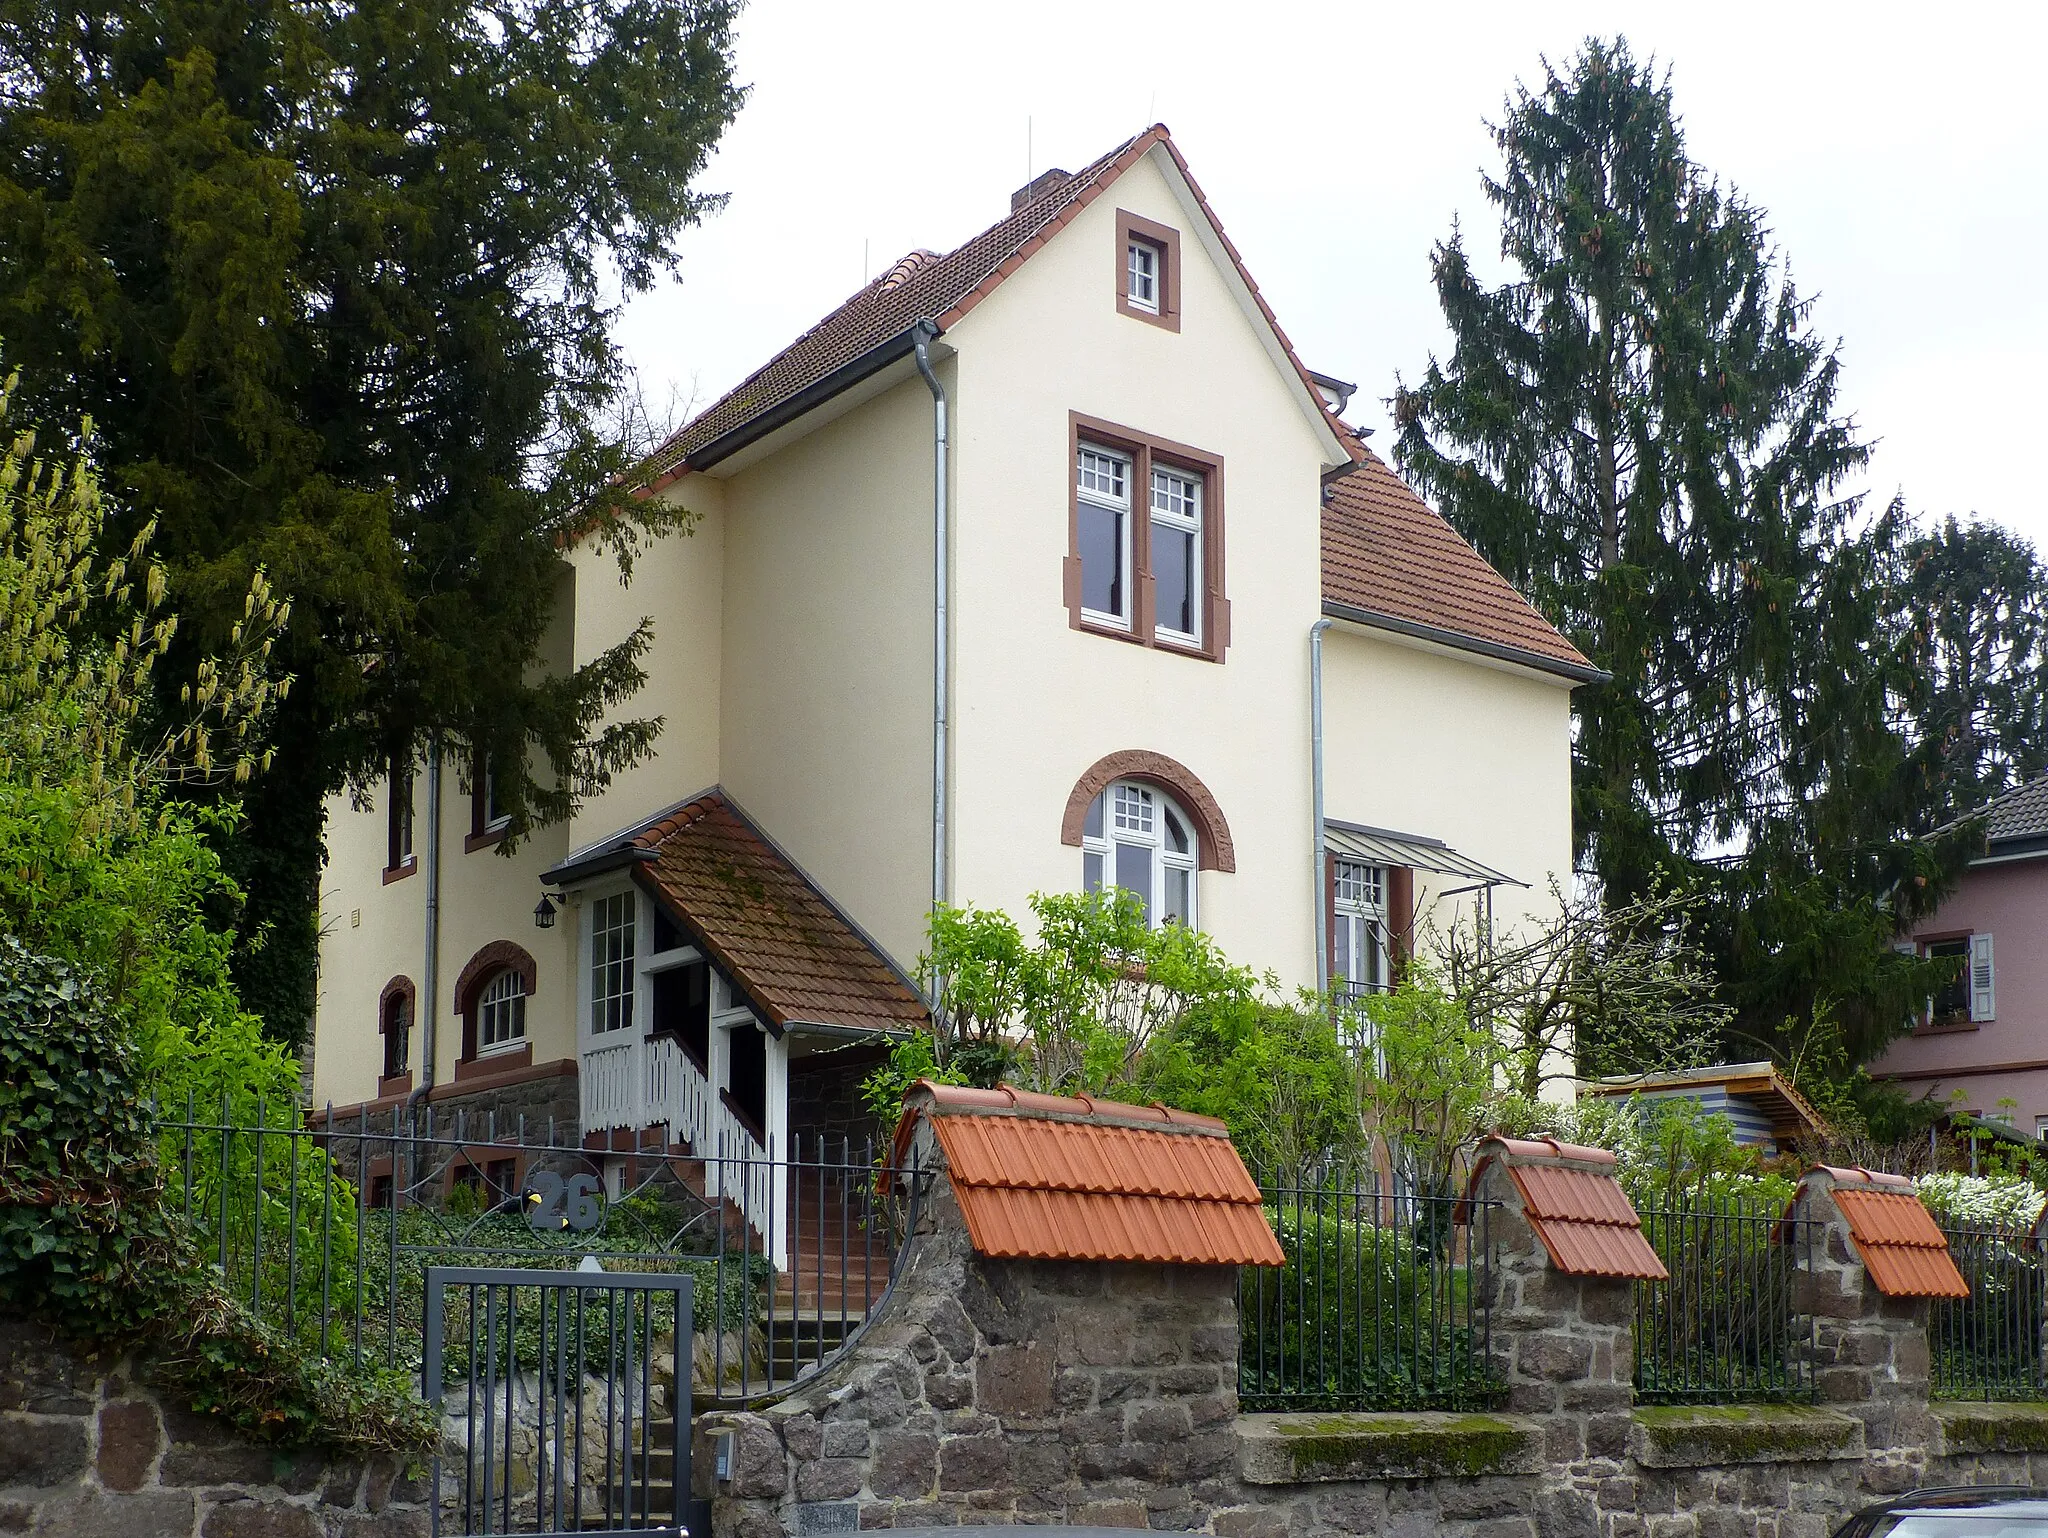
x=1982 y=1201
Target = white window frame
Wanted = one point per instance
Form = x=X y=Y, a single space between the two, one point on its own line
x=1189 y=523
x=595 y=909
x=1135 y=271
x=503 y=996
x=1089 y=496
x=1359 y=904
x=1115 y=819
x=493 y=820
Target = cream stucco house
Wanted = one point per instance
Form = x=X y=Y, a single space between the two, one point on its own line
x=1036 y=565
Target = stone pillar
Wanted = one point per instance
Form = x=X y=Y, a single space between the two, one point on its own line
x=1870 y=1350
x=1564 y=1343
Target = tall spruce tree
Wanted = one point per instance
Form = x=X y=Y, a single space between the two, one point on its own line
x=1640 y=427
x=335 y=284
x=1976 y=624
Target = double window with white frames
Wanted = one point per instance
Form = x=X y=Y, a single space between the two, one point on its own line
x=1141 y=544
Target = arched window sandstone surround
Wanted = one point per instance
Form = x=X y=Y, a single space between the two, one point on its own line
x=487 y=963
x=1213 y=846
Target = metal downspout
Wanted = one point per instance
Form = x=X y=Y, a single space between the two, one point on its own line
x=941 y=634
x=430 y=965
x=1315 y=717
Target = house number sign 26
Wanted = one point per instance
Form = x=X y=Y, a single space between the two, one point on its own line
x=554 y=1205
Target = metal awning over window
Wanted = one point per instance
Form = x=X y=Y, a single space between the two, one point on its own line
x=1380 y=846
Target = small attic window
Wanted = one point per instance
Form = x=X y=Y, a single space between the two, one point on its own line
x=1141 y=279
x=1147 y=271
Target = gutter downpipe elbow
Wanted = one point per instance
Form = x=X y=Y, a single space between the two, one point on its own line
x=1322 y=855
x=941 y=606
x=430 y=964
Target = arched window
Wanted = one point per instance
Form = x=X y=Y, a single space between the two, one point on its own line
x=490 y=996
x=394 y=1024
x=1137 y=837
x=501 y=1012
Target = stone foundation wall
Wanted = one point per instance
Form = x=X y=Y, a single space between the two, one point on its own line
x=87 y=1450
x=1105 y=1394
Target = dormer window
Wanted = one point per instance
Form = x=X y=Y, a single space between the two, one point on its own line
x=1141 y=276
x=1147 y=271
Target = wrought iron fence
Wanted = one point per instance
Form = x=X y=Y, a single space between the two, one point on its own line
x=1385 y=1302
x=1726 y=1326
x=326 y=1229
x=1988 y=1345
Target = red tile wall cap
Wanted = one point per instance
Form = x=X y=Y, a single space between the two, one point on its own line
x=1547 y=1147
x=1008 y=1100
x=1857 y=1175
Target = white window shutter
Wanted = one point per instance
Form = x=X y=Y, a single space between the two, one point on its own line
x=1983 y=999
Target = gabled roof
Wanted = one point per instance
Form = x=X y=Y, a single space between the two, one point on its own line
x=1051 y=1178
x=876 y=324
x=1391 y=561
x=794 y=956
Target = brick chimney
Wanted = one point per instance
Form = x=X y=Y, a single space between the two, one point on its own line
x=1039 y=186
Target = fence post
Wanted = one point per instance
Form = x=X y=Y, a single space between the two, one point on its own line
x=1563 y=1308
x=1869 y=1308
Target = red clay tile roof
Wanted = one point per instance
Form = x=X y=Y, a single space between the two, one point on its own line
x=1386 y=552
x=1048 y=1178
x=1576 y=1207
x=1903 y=1249
x=940 y=288
x=794 y=955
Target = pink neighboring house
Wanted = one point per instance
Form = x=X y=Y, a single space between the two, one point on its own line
x=1986 y=1035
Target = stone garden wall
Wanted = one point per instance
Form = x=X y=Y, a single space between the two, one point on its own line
x=87 y=1451
x=1105 y=1394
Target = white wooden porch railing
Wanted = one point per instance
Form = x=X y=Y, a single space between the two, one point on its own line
x=610 y=1082
x=634 y=1084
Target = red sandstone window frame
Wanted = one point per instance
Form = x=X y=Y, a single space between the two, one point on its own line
x=497 y=957
x=1144 y=450
x=1164 y=241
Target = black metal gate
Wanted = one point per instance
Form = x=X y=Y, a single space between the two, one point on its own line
x=573 y=1389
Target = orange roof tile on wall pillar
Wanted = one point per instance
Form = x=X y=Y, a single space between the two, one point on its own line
x=1044 y=1177
x=1573 y=1203
x=1903 y=1251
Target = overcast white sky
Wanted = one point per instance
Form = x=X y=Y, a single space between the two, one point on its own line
x=1902 y=154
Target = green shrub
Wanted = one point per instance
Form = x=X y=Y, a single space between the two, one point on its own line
x=83 y=1236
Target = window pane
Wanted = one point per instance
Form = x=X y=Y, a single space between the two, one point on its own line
x=1092 y=827
x=1143 y=288
x=1133 y=809
x=1173 y=564
x=1101 y=475
x=611 y=963
x=1134 y=874
x=1179 y=904
x=1176 y=835
x=1102 y=559
x=1341 y=962
x=1091 y=872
